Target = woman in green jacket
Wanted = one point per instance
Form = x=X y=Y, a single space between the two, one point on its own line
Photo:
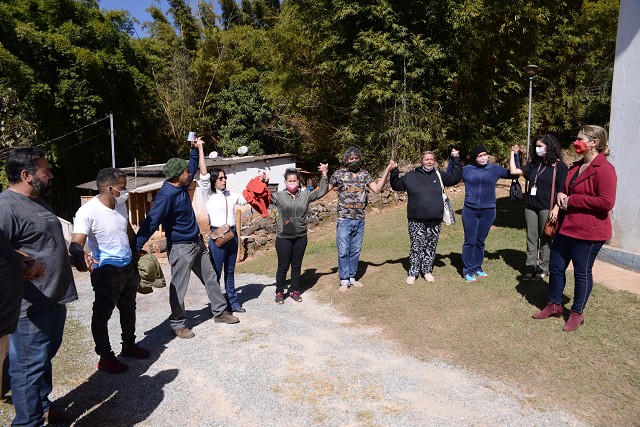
x=291 y=230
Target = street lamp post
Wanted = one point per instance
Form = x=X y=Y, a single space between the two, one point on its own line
x=530 y=70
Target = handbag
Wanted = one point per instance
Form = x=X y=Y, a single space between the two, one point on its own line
x=550 y=227
x=223 y=234
x=515 y=191
x=448 y=217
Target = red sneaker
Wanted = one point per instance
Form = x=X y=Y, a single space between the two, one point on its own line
x=111 y=364
x=135 y=351
x=279 y=298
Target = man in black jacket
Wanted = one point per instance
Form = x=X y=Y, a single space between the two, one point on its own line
x=425 y=208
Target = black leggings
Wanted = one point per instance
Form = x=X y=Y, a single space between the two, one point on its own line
x=290 y=252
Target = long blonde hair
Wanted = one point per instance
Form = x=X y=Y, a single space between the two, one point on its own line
x=599 y=133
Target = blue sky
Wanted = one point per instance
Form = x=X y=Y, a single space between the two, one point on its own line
x=136 y=8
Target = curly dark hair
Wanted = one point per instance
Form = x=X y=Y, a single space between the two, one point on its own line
x=553 y=152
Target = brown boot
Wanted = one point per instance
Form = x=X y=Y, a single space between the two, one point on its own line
x=551 y=309
x=226 y=317
x=574 y=322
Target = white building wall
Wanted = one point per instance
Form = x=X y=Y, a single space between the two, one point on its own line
x=240 y=174
x=625 y=131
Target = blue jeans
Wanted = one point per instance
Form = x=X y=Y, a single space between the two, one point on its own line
x=34 y=343
x=224 y=258
x=476 y=223
x=583 y=254
x=349 y=234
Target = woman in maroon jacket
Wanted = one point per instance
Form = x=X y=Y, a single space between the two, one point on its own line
x=584 y=224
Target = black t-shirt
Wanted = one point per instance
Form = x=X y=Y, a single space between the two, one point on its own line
x=540 y=176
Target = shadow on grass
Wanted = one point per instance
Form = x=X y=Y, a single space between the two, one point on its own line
x=455 y=259
x=128 y=398
x=311 y=276
x=536 y=292
x=513 y=258
x=509 y=214
x=364 y=265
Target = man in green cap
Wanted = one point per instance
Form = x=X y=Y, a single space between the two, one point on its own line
x=186 y=251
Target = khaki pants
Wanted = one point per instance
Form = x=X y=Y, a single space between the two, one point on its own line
x=4 y=350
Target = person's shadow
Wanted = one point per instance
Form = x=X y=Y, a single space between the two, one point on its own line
x=536 y=292
x=251 y=291
x=129 y=398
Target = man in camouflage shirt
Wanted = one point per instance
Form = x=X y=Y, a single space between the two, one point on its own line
x=352 y=183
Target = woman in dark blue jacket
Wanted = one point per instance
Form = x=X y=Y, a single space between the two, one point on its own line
x=479 y=209
x=425 y=209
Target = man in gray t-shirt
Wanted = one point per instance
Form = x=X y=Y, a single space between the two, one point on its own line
x=32 y=227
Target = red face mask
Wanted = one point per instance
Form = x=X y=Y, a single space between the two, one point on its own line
x=580 y=146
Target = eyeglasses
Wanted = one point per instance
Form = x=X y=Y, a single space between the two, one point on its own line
x=222 y=178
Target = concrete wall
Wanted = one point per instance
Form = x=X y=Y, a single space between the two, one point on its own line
x=625 y=132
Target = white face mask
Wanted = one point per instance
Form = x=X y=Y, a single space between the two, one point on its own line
x=124 y=195
x=540 y=151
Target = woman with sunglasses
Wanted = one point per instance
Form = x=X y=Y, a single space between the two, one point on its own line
x=291 y=228
x=584 y=224
x=220 y=204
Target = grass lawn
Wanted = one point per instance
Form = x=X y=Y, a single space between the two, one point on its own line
x=487 y=326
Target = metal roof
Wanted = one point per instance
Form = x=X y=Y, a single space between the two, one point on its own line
x=150 y=177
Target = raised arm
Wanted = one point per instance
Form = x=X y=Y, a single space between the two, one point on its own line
x=193 y=161
x=378 y=185
x=396 y=182
x=324 y=183
x=453 y=175
x=514 y=163
x=201 y=162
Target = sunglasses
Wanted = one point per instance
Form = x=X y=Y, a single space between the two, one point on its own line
x=222 y=178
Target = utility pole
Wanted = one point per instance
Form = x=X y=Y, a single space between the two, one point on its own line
x=530 y=71
x=113 y=147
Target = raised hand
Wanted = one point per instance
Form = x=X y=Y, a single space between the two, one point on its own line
x=392 y=165
x=455 y=153
x=324 y=168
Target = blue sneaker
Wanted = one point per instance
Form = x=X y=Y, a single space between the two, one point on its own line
x=481 y=274
x=470 y=278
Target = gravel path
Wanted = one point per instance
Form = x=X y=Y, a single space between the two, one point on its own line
x=291 y=365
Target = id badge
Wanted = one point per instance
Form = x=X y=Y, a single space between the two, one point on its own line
x=533 y=191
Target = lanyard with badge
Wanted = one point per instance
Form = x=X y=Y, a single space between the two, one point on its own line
x=534 y=189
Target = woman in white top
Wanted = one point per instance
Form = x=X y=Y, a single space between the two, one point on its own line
x=220 y=204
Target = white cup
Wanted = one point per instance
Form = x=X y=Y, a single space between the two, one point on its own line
x=191 y=137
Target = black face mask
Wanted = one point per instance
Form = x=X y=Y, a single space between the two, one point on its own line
x=354 y=166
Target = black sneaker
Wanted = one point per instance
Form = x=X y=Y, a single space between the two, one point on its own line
x=279 y=298
x=111 y=364
x=295 y=295
x=135 y=351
